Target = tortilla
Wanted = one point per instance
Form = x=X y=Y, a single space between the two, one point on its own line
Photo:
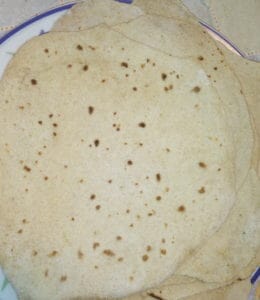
x=157 y=119
x=78 y=219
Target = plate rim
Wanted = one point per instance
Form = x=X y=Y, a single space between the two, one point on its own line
x=36 y=18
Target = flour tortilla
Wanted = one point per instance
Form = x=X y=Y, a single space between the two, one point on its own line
x=58 y=152
x=72 y=96
x=162 y=33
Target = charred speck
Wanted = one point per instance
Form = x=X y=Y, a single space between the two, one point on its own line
x=33 y=81
x=96 y=143
x=90 y=110
x=158 y=177
x=27 y=169
x=85 y=68
x=164 y=76
x=79 y=47
x=181 y=208
x=196 y=89
x=142 y=125
x=124 y=64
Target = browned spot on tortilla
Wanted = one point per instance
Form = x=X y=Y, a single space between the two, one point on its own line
x=200 y=57
x=215 y=68
x=135 y=88
x=46 y=50
x=129 y=162
x=91 y=48
x=50 y=116
x=46 y=178
x=145 y=257
x=196 y=89
x=46 y=273
x=24 y=221
x=158 y=198
x=20 y=231
x=63 y=278
x=27 y=169
x=181 y=208
x=72 y=219
x=119 y=238
x=55 y=125
x=53 y=253
x=108 y=252
x=85 y=68
x=54 y=133
x=202 y=190
x=202 y=165
x=131 y=278
x=98 y=207
x=96 y=143
x=69 y=66
x=163 y=76
x=21 y=107
x=90 y=110
x=120 y=259
x=92 y=197
x=95 y=245
x=158 y=177
x=142 y=125
x=33 y=81
x=80 y=254
x=39 y=153
x=152 y=295
x=34 y=253
x=163 y=251
x=219 y=169
x=163 y=241
x=124 y=64
x=148 y=248
x=79 y=47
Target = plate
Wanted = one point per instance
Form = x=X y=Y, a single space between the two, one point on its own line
x=38 y=25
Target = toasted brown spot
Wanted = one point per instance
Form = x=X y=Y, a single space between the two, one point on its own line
x=46 y=50
x=164 y=76
x=110 y=181
x=95 y=245
x=50 y=116
x=79 y=47
x=63 y=278
x=129 y=162
x=200 y=57
x=163 y=251
x=128 y=211
x=181 y=208
x=148 y=248
x=96 y=143
x=34 y=253
x=27 y=169
x=142 y=125
x=154 y=296
x=20 y=231
x=55 y=125
x=72 y=219
x=135 y=88
x=54 y=133
x=163 y=241
x=119 y=238
x=158 y=198
x=46 y=178
x=90 y=110
x=196 y=89
x=131 y=278
x=24 y=221
x=124 y=64
x=69 y=66
x=85 y=68
x=215 y=68
x=202 y=190
x=145 y=257
x=46 y=273
x=92 y=197
x=33 y=81
x=120 y=259
x=219 y=169
x=108 y=252
x=202 y=165
x=80 y=254
x=21 y=107
x=178 y=76
x=158 y=177
x=53 y=253
x=98 y=207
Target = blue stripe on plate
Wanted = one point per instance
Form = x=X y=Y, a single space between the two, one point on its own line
x=125 y=1
x=34 y=19
x=222 y=37
x=255 y=276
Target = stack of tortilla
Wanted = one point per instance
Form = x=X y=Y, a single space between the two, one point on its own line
x=129 y=159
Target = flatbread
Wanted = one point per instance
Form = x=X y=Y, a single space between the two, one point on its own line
x=60 y=135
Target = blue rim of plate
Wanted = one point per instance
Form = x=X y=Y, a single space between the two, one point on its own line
x=70 y=5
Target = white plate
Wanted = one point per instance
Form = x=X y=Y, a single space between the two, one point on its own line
x=40 y=24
